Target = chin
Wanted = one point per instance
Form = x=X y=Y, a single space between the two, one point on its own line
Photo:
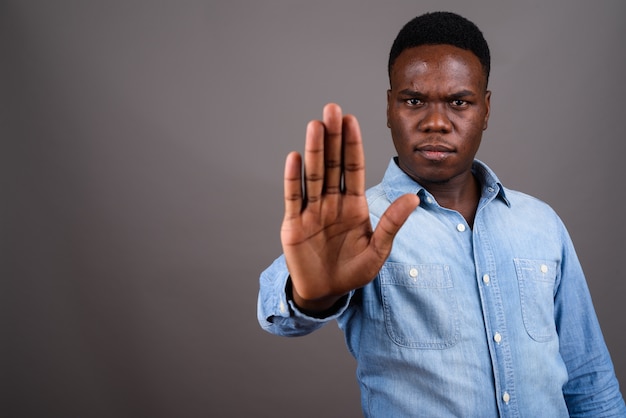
x=429 y=176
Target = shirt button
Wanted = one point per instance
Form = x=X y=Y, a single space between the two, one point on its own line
x=544 y=268
x=506 y=397
x=490 y=189
x=413 y=272
x=429 y=199
x=497 y=337
x=460 y=227
x=282 y=307
x=486 y=279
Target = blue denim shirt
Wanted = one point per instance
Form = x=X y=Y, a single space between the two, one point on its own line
x=494 y=320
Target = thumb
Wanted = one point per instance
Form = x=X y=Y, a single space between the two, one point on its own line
x=391 y=221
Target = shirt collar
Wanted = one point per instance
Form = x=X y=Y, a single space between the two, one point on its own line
x=397 y=183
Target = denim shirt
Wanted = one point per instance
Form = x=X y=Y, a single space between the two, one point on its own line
x=494 y=320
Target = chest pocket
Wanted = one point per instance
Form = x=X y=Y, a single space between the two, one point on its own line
x=536 y=280
x=419 y=305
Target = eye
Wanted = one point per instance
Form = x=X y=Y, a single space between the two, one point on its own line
x=413 y=102
x=458 y=103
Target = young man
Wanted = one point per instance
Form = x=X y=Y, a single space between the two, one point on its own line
x=480 y=308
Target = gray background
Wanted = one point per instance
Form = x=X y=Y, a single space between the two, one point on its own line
x=141 y=169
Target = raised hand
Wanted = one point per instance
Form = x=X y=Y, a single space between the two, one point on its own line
x=326 y=234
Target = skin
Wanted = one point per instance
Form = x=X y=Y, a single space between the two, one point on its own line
x=438 y=107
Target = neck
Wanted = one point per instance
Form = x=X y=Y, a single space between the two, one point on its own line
x=461 y=195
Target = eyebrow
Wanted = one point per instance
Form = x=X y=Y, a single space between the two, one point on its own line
x=457 y=95
x=462 y=93
x=412 y=93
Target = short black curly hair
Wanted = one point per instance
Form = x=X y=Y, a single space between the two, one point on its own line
x=441 y=28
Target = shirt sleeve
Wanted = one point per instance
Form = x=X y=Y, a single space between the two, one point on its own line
x=278 y=314
x=592 y=389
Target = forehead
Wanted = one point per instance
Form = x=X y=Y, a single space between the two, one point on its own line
x=438 y=63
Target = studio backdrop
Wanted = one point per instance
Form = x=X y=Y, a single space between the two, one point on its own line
x=141 y=163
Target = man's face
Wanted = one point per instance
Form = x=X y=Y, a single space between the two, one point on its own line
x=437 y=109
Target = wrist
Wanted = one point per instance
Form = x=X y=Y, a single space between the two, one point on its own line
x=318 y=308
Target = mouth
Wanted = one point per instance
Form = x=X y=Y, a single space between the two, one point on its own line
x=434 y=152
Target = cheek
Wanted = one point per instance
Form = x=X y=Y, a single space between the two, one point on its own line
x=474 y=125
x=400 y=136
x=472 y=133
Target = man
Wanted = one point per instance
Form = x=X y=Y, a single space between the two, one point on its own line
x=480 y=308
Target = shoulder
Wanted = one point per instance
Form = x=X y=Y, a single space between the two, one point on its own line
x=525 y=200
x=528 y=209
x=377 y=199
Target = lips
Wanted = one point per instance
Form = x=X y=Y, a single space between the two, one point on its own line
x=435 y=152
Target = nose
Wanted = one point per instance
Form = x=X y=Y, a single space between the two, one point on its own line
x=435 y=119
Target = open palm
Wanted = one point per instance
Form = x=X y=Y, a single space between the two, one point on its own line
x=326 y=234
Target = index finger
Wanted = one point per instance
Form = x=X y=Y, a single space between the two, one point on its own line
x=293 y=185
x=354 y=158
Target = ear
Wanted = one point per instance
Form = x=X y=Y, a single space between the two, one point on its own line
x=388 y=104
x=488 y=107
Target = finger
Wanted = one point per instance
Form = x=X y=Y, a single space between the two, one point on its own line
x=390 y=223
x=293 y=185
x=314 y=163
x=332 y=148
x=354 y=158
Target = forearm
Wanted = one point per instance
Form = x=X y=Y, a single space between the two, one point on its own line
x=592 y=389
x=279 y=315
